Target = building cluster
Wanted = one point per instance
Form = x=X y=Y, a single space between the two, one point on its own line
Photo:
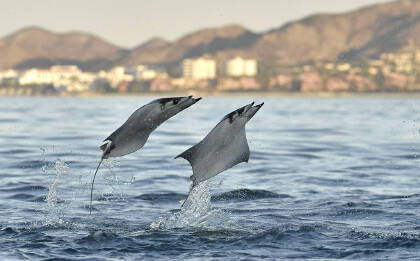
x=229 y=75
x=391 y=72
x=70 y=79
x=199 y=73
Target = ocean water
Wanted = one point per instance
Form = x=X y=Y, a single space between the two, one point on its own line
x=327 y=179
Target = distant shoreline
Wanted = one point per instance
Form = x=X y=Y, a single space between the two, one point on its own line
x=415 y=95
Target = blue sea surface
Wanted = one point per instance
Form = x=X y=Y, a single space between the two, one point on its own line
x=328 y=178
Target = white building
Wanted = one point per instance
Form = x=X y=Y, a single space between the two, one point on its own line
x=36 y=76
x=238 y=66
x=343 y=67
x=145 y=72
x=60 y=76
x=202 y=68
x=71 y=77
x=9 y=74
x=67 y=70
x=116 y=75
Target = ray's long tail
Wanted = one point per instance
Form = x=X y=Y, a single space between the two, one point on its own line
x=91 y=189
x=188 y=197
x=183 y=203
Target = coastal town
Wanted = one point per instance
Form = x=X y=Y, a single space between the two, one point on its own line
x=391 y=72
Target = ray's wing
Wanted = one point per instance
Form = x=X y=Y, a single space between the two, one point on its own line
x=133 y=134
x=211 y=158
x=189 y=153
x=234 y=153
x=130 y=136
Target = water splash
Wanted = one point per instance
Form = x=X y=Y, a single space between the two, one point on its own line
x=196 y=212
x=53 y=212
x=115 y=183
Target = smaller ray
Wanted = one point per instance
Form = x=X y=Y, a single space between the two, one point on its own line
x=133 y=134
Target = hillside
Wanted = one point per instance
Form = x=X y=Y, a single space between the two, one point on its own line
x=211 y=41
x=355 y=35
x=360 y=34
x=37 y=44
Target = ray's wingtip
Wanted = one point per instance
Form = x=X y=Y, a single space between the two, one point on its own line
x=259 y=105
x=195 y=100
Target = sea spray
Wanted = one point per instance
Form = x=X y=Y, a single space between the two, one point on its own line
x=197 y=212
x=114 y=182
x=53 y=213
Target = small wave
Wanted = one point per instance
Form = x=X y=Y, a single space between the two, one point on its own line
x=25 y=188
x=110 y=197
x=35 y=245
x=249 y=211
x=162 y=197
x=170 y=177
x=15 y=151
x=300 y=155
x=380 y=167
x=284 y=232
x=29 y=198
x=359 y=211
x=98 y=236
x=31 y=164
x=219 y=233
x=359 y=205
x=385 y=197
x=15 y=137
x=22 y=196
x=314 y=131
x=69 y=138
x=311 y=149
x=169 y=133
x=272 y=234
x=8 y=230
x=408 y=156
x=9 y=120
x=327 y=181
x=178 y=143
x=388 y=240
x=248 y=194
x=156 y=162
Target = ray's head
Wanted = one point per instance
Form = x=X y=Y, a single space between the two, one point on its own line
x=243 y=114
x=173 y=105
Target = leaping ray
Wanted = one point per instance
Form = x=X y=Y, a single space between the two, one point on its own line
x=133 y=134
x=224 y=147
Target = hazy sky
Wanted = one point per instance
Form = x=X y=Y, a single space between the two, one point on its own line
x=128 y=23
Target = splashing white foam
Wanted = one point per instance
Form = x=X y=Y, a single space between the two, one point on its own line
x=196 y=212
x=53 y=213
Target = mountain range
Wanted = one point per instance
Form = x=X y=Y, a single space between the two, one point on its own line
x=357 y=35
